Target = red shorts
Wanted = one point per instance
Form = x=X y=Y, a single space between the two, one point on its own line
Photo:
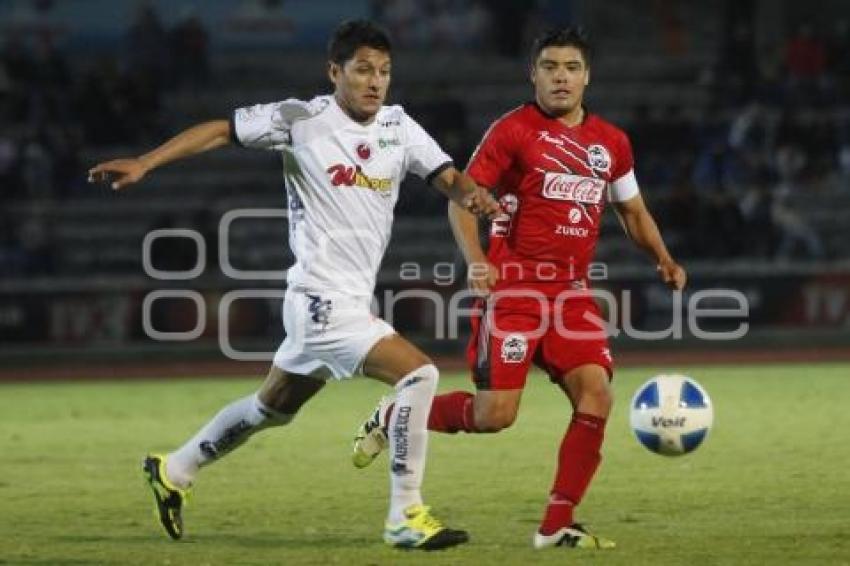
x=508 y=337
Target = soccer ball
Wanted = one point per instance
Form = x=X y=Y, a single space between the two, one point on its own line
x=671 y=414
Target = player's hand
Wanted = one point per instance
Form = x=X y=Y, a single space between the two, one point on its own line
x=482 y=277
x=118 y=173
x=481 y=203
x=673 y=275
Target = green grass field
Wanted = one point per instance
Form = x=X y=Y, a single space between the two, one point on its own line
x=770 y=486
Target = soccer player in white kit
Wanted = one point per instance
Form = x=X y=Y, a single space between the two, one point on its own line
x=344 y=156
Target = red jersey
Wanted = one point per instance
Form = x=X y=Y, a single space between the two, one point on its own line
x=552 y=181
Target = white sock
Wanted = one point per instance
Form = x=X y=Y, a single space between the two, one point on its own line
x=408 y=435
x=232 y=426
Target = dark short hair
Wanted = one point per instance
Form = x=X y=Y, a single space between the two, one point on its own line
x=562 y=37
x=351 y=35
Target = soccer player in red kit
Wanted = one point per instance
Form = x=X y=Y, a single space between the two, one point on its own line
x=553 y=164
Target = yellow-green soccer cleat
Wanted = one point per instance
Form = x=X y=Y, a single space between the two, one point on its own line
x=169 y=498
x=420 y=530
x=574 y=536
x=371 y=437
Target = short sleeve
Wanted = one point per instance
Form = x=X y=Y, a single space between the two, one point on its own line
x=267 y=126
x=424 y=156
x=493 y=157
x=624 y=161
x=623 y=184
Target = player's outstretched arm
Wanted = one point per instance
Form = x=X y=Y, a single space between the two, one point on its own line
x=482 y=275
x=461 y=189
x=466 y=200
x=202 y=137
x=642 y=229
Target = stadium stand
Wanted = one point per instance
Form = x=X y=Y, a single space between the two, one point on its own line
x=744 y=173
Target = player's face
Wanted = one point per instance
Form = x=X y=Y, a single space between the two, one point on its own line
x=559 y=76
x=362 y=82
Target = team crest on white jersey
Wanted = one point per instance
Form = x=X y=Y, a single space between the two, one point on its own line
x=598 y=158
x=364 y=151
x=514 y=348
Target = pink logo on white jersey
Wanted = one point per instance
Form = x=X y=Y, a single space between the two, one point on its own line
x=565 y=186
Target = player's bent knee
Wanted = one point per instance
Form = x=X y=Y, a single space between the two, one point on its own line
x=494 y=420
x=492 y=424
x=603 y=395
x=271 y=416
x=429 y=371
x=600 y=400
x=284 y=393
x=427 y=374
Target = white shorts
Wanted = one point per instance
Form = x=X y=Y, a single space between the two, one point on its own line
x=328 y=334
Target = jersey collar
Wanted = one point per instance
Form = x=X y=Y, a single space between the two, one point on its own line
x=348 y=118
x=585 y=115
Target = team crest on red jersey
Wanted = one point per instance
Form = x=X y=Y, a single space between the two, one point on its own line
x=598 y=158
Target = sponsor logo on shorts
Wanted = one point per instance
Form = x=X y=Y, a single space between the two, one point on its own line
x=514 y=348
x=320 y=309
x=575 y=188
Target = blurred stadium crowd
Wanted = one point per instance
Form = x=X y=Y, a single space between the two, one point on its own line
x=742 y=148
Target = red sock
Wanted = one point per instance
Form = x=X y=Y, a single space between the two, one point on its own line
x=578 y=459
x=452 y=412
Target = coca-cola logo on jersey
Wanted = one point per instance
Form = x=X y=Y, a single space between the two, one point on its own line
x=575 y=188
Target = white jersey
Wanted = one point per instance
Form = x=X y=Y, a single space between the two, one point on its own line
x=342 y=181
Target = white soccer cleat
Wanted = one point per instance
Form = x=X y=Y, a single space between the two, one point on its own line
x=574 y=536
x=371 y=437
